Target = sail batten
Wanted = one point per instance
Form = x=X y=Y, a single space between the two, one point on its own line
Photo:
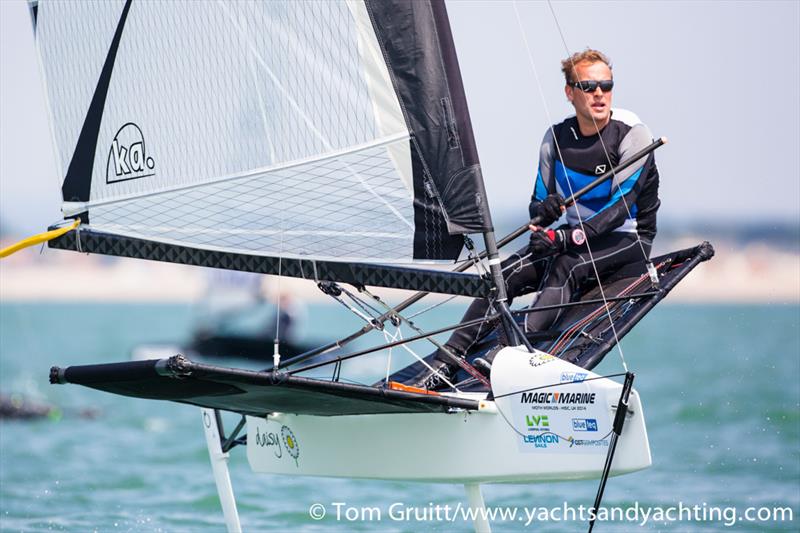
x=72 y=208
x=120 y=230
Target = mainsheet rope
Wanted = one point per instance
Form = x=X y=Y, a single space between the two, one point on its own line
x=558 y=149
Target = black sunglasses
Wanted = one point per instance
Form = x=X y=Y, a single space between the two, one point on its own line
x=590 y=86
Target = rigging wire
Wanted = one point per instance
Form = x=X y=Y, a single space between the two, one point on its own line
x=602 y=143
x=399 y=335
x=570 y=330
x=479 y=267
x=370 y=315
x=363 y=304
x=431 y=307
x=450 y=384
x=623 y=401
x=306 y=118
x=390 y=338
x=389 y=358
x=418 y=330
x=276 y=354
x=558 y=149
x=564 y=348
x=359 y=314
x=549 y=386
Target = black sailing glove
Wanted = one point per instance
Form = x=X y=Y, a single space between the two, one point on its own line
x=550 y=209
x=549 y=242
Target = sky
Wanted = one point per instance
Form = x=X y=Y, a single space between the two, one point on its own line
x=720 y=79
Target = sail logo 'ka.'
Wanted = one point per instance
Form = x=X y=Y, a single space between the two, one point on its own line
x=128 y=158
x=325 y=130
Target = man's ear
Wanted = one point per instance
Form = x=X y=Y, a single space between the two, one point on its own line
x=568 y=92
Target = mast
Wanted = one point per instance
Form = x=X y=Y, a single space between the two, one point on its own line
x=510 y=328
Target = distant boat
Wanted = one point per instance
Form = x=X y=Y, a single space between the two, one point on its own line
x=20 y=407
x=257 y=348
x=235 y=320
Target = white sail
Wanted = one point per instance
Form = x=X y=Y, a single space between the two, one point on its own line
x=264 y=127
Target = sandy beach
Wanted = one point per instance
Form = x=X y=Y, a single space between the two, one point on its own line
x=750 y=274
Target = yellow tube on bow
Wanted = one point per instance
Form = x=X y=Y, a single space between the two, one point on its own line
x=38 y=239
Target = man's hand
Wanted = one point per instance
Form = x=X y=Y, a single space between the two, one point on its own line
x=541 y=244
x=551 y=209
x=549 y=242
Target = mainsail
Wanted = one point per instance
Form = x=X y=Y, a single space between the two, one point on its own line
x=293 y=129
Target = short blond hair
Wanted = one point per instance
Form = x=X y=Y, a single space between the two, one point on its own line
x=592 y=56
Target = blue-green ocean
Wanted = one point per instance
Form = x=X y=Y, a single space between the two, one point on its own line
x=720 y=386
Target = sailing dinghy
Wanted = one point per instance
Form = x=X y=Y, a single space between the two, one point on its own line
x=329 y=141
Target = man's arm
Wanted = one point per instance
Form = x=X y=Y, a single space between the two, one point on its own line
x=545 y=177
x=626 y=186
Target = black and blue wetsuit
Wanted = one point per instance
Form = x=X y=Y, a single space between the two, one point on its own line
x=618 y=232
x=575 y=160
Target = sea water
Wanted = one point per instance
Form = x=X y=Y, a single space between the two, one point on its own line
x=720 y=386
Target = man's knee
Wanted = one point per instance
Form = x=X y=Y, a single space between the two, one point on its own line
x=522 y=281
x=563 y=266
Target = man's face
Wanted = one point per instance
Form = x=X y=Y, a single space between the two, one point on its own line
x=594 y=107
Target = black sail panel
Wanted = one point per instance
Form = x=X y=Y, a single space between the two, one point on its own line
x=77 y=183
x=419 y=50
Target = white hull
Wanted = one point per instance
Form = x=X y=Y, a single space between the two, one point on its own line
x=541 y=439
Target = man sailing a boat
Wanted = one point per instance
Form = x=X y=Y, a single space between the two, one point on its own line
x=609 y=227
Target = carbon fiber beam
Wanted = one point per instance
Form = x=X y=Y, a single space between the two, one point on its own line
x=248 y=392
x=352 y=273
